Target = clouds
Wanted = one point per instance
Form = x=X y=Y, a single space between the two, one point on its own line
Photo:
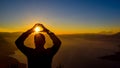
x=80 y=50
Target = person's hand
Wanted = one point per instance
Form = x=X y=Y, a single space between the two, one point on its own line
x=32 y=29
x=39 y=25
x=44 y=28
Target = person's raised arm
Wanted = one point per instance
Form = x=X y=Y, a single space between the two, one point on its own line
x=56 y=41
x=20 y=41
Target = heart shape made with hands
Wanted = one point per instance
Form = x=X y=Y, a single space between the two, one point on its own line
x=38 y=29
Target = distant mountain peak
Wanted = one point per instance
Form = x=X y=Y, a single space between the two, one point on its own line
x=117 y=34
x=106 y=32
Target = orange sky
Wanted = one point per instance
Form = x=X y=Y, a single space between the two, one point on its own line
x=61 y=17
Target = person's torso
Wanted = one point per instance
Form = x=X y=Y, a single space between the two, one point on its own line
x=39 y=59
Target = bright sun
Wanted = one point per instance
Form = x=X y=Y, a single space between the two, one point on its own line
x=37 y=29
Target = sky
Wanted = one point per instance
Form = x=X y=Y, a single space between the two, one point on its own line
x=61 y=16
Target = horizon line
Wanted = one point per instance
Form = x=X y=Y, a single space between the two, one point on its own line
x=105 y=33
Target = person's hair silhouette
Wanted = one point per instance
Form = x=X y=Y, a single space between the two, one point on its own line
x=38 y=57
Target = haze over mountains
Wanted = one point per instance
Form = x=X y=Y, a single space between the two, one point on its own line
x=77 y=50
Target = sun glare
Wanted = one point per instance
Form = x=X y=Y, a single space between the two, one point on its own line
x=38 y=29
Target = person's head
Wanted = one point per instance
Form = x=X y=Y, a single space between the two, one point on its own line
x=39 y=40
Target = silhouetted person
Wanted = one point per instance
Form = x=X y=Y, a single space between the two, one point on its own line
x=38 y=57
